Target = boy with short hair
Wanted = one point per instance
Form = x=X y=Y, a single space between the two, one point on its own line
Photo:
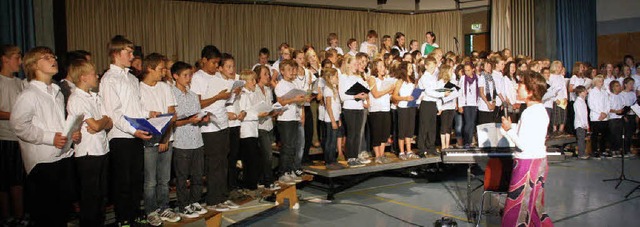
x=213 y=92
x=629 y=99
x=289 y=121
x=616 y=123
x=188 y=153
x=428 y=109
x=353 y=47
x=332 y=41
x=369 y=47
x=158 y=99
x=38 y=121
x=227 y=69
x=120 y=93
x=92 y=152
x=581 y=120
x=12 y=174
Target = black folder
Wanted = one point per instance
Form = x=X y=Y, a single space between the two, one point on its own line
x=357 y=88
x=450 y=85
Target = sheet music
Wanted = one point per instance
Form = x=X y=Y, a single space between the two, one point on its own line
x=489 y=136
x=293 y=93
x=71 y=125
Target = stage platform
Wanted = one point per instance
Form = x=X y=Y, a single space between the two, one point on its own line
x=319 y=169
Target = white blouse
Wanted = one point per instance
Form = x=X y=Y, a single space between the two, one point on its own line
x=530 y=132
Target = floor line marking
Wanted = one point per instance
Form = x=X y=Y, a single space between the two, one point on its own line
x=412 y=206
x=595 y=209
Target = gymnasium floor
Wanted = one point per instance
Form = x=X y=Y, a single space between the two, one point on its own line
x=575 y=196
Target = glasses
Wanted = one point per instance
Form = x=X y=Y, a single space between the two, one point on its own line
x=49 y=57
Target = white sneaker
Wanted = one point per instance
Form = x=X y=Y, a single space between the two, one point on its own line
x=188 y=212
x=364 y=160
x=286 y=179
x=273 y=187
x=295 y=177
x=231 y=204
x=169 y=215
x=154 y=218
x=196 y=207
x=220 y=207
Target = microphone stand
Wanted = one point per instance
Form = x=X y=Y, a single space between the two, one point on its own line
x=622 y=176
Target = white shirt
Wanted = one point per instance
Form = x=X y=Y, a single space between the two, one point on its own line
x=10 y=88
x=382 y=103
x=303 y=82
x=233 y=104
x=120 y=93
x=529 y=135
x=89 y=105
x=581 y=114
x=636 y=80
x=329 y=94
x=616 y=102
x=468 y=95
x=265 y=123
x=37 y=115
x=598 y=101
x=576 y=81
x=321 y=109
x=352 y=53
x=607 y=81
x=338 y=49
x=348 y=101
x=206 y=86
x=293 y=110
x=249 y=126
x=510 y=90
x=428 y=82
x=449 y=102
x=406 y=89
x=628 y=99
x=498 y=79
x=558 y=83
x=482 y=105
x=157 y=98
x=401 y=50
x=369 y=49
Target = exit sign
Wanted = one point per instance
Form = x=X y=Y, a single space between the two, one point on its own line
x=476 y=26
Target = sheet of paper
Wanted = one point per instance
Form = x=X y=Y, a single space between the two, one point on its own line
x=72 y=124
x=293 y=93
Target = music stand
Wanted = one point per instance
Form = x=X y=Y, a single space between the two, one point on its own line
x=622 y=177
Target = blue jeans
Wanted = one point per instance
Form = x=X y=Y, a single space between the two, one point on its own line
x=458 y=124
x=330 y=144
x=470 y=117
x=157 y=172
x=288 y=131
x=299 y=147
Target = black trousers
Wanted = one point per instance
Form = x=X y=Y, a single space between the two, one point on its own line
x=289 y=134
x=49 y=191
x=355 y=122
x=252 y=162
x=428 y=120
x=629 y=130
x=615 y=131
x=266 y=139
x=598 y=128
x=188 y=164
x=308 y=133
x=92 y=175
x=216 y=152
x=234 y=156
x=127 y=171
x=486 y=117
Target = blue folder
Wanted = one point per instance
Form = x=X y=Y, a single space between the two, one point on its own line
x=144 y=124
x=416 y=94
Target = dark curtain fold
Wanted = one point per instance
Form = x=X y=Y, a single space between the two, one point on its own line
x=576 y=32
x=17 y=24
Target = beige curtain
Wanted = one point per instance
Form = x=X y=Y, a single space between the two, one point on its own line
x=523 y=30
x=500 y=24
x=180 y=29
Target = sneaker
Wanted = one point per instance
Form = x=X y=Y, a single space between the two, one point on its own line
x=295 y=177
x=298 y=172
x=196 y=207
x=188 y=212
x=154 y=218
x=231 y=204
x=364 y=155
x=378 y=160
x=334 y=166
x=220 y=207
x=411 y=155
x=286 y=179
x=402 y=156
x=355 y=163
x=169 y=215
x=385 y=160
x=273 y=187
